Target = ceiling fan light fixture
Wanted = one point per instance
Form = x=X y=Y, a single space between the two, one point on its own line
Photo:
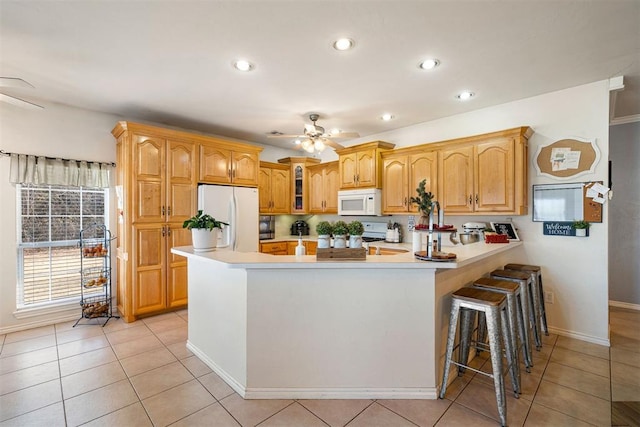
x=243 y=65
x=319 y=145
x=343 y=44
x=429 y=64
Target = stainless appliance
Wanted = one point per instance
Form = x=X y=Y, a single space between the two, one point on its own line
x=300 y=227
x=237 y=206
x=267 y=227
x=365 y=202
x=474 y=228
x=374 y=231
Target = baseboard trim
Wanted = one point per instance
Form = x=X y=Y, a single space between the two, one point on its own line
x=626 y=305
x=314 y=393
x=50 y=320
x=579 y=336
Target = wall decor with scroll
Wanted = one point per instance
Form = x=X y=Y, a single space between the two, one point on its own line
x=567 y=158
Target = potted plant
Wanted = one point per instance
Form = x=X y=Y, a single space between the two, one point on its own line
x=355 y=234
x=581 y=226
x=423 y=201
x=205 y=230
x=340 y=230
x=324 y=230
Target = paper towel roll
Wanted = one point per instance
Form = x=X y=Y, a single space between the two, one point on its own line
x=417 y=241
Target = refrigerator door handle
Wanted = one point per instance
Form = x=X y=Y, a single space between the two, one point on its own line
x=232 y=221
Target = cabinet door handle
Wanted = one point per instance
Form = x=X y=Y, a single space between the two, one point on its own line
x=164 y=231
x=169 y=231
x=406 y=200
x=354 y=179
x=233 y=173
x=229 y=173
x=476 y=199
x=470 y=199
x=163 y=210
x=358 y=178
x=169 y=211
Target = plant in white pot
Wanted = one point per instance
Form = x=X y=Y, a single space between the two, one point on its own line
x=581 y=226
x=355 y=234
x=340 y=230
x=205 y=230
x=324 y=230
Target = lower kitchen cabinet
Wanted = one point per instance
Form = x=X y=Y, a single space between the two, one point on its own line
x=275 y=248
x=309 y=247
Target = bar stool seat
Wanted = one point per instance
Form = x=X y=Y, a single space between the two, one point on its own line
x=466 y=303
x=536 y=277
x=517 y=316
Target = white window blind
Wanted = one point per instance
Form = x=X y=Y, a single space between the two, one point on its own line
x=49 y=225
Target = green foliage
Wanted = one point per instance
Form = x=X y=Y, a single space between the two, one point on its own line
x=356 y=228
x=203 y=221
x=340 y=228
x=424 y=198
x=580 y=224
x=324 y=228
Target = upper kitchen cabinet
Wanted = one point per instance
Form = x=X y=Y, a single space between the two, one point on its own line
x=223 y=162
x=485 y=174
x=274 y=188
x=323 y=188
x=299 y=182
x=360 y=166
x=402 y=171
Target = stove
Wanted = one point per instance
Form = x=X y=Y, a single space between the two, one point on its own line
x=374 y=231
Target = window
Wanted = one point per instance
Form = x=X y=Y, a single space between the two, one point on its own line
x=49 y=223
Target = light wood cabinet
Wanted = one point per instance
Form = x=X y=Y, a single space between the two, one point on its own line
x=274 y=188
x=157 y=177
x=309 y=247
x=299 y=182
x=323 y=188
x=223 y=162
x=402 y=171
x=275 y=248
x=360 y=166
x=485 y=174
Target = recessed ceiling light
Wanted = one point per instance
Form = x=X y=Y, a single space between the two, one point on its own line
x=386 y=117
x=297 y=142
x=335 y=131
x=463 y=96
x=343 y=44
x=429 y=64
x=243 y=65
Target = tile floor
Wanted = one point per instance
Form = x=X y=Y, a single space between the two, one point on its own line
x=141 y=374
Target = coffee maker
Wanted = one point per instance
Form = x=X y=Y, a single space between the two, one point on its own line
x=299 y=228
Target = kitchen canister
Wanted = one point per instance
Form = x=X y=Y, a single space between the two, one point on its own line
x=416 y=241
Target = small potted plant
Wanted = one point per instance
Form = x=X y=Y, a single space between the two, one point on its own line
x=324 y=230
x=355 y=234
x=340 y=230
x=205 y=230
x=424 y=202
x=581 y=226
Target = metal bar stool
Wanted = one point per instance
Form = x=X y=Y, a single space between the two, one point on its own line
x=531 y=295
x=536 y=277
x=466 y=302
x=517 y=317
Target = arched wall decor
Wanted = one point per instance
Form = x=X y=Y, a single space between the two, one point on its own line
x=567 y=158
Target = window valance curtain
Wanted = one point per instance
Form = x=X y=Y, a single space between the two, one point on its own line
x=27 y=169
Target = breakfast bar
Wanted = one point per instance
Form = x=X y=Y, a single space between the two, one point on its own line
x=276 y=327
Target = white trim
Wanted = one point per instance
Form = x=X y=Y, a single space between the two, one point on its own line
x=47 y=309
x=624 y=120
x=581 y=337
x=50 y=320
x=627 y=305
x=314 y=393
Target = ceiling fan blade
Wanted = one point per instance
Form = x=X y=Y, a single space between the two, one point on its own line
x=333 y=144
x=286 y=136
x=15 y=82
x=345 y=135
x=19 y=102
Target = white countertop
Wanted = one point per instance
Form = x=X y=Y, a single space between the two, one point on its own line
x=466 y=254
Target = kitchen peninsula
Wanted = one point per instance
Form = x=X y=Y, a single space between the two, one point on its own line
x=276 y=327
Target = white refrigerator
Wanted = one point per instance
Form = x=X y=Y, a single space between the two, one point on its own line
x=237 y=206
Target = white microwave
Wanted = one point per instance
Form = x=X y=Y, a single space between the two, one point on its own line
x=366 y=202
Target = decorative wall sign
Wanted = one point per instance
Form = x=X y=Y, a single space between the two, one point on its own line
x=567 y=158
x=559 y=228
x=506 y=228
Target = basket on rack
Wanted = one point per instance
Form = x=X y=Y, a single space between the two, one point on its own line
x=95 y=307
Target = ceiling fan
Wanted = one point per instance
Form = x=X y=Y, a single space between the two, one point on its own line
x=15 y=82
x=315 y=138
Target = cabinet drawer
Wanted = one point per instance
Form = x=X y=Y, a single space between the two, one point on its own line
x=273 y=247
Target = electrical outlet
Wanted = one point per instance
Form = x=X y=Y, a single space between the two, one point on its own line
x=548 y=297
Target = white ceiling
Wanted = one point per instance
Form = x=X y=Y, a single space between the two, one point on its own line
x=170 y=62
